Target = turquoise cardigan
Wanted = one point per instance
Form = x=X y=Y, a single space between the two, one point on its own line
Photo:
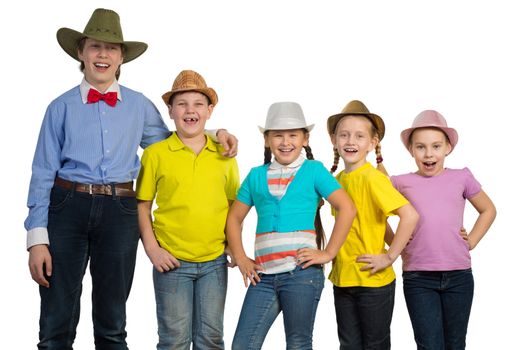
x=297 y=209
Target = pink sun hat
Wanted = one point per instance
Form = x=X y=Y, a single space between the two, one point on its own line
x=430 y=119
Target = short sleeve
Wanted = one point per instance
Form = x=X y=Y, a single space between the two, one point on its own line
x=146 y=183
x=325 y=183
x=471 y=186
x=233 y=180
x=385 y=196
x=245 y=192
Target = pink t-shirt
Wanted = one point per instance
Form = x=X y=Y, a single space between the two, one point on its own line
x=439 y=200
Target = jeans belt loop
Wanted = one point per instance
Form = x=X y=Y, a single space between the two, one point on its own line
x=90 y=189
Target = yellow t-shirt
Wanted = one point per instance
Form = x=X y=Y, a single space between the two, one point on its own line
x=375 y=198
x=192 y=196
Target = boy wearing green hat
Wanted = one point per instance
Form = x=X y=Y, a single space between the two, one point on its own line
x=82 y=206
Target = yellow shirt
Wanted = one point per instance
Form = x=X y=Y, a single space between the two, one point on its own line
x=192 y=196
x=375 y=198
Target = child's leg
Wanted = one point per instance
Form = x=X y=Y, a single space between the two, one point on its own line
x=174 y=305
x=375 y=310
x=456 y=306
x=208 y=307
x=422 y=291
x=348 y=322
x=259 y=311
x=299 y=293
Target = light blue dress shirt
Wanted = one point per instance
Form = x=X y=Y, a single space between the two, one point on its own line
x=89 y=143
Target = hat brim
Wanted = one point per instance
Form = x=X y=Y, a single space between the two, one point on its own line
x=450 y=133
x=377 y=122
x=69 y=38
x=209 y=92
x=308 y=128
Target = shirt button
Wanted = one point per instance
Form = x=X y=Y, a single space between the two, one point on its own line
x=103 y=113
x=105 y=131
x=107 y=151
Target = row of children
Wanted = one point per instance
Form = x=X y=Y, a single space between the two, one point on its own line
x=200 y=208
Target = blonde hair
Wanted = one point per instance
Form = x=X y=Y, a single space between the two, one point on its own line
x=378 y=148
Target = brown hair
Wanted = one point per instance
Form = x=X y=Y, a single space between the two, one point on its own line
x=378 y=148
x=319 y=229
x=81 y=44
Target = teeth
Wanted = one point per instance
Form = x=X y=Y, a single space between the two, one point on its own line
x=190 y=119
x=350 y=150
x=101 y=65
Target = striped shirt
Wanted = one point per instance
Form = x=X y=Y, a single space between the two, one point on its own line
x=276 y=251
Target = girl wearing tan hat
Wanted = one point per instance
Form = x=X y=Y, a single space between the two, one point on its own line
x=287 y=273
x=438 y=281
x=362 y=275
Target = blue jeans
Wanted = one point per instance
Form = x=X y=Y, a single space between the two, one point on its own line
x=190 y=304
x=104 y=230
x=364 y=316
x=295 y=293
x=439 y=303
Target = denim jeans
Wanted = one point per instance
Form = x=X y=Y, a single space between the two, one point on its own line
x=295 y=293
x=102 y=230
x=190 y=304
x=439 y=304
x=364 y=316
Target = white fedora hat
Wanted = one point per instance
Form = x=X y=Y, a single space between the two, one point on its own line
x=285 y=116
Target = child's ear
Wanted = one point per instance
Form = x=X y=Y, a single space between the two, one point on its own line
x=210 y=109
x=306 y=139
x=169 y=110
x=448 y=149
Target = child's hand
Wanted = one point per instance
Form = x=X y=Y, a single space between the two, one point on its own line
x=465 y=236
x=231 y=262
x=162 y=260
x=308 y=256
x=375 y=263
x=228 y=141
x=249 y=270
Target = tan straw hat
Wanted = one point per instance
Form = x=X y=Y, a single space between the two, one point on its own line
x=430 y=119
x=189 y=80
x=285 y=116
x=104 y=25
x=356 y=107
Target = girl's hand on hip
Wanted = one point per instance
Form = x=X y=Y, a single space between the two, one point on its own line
x=375 y=263
x=162 y=260
x=308 y=256
x=249 y=270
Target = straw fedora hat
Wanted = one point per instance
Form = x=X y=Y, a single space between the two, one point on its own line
x=285 y=116
x=356 y=107
x=104 y=25
x=430 y=119
x=188 y=80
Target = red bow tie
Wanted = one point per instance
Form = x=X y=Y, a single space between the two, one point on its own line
x=95 y=96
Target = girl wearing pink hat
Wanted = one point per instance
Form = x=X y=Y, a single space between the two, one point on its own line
x=438 y=280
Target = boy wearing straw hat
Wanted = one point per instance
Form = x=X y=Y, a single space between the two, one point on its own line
x=186 y=242
x=82 y=206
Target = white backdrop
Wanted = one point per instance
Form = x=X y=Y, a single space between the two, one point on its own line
x=463 y=59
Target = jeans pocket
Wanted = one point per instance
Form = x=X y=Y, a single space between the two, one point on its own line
x=58 y=199
x=128 y=205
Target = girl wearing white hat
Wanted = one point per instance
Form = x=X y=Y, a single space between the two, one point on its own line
x=287 y=273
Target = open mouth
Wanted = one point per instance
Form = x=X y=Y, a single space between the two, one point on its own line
x=101 y=65
x=350 y=150
x=286 y=150
x=191 y=120
x=429 y=165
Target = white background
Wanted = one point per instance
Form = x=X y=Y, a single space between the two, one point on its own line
x=462 y=58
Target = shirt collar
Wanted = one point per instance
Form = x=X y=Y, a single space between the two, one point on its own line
x=175 y=144
x=297 y=163
x=85 y=86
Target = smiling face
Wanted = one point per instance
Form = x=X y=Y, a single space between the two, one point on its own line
x=353 y=140
x=286 y=145
x=101 y=62
x=429 y=147
x=190 y=111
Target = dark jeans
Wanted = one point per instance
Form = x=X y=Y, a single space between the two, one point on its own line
x=364 y=316
x=102 y=230
x=439 y=304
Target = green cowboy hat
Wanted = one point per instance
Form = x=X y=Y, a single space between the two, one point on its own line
x=104 y=25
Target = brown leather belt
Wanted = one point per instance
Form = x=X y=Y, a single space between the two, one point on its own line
x=121 y=189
